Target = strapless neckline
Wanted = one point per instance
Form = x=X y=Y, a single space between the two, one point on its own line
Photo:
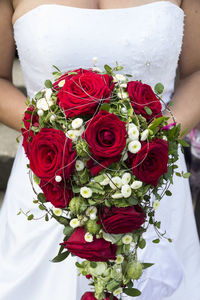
x=104 y=11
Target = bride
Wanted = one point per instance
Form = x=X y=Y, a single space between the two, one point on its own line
x=146 y=38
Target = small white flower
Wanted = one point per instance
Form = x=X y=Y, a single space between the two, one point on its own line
x=117 y=195
x=115 y=183
x=93 y=216
x=117 y=292
x=119 y=259
x=122 y=95
x=126 y=178
x=95 y=69
x=57 y=212
x=79 y=165
x=95 y=60
x=106 y=180
x=88 y=237
x=164 y=138
x=74 y=223
x=156 y=204
x=77 y=123
x=130 y=126
x=79 y=132
x=126 y=191
x=86 y=192
x=71 y=134
x=58 y=178
x=42 y=104
x=48 y=94
x=133 y=133
x=127 y=239
x=144 y=135
x=50 y=103
x=124 y=110
x=52 y=118
x=134 y=146
x=119 y=77
x=136 y=184
x=40 y=112
x=91 y=210
x=123 y=85
x=61 y=83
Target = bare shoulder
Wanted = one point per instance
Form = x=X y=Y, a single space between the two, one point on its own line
x=190 y=58
x=7 y=45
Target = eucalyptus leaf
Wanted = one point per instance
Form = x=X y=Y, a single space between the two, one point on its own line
x=159 y=88
x=148 y=110
x=186 y=175
x=30 y=217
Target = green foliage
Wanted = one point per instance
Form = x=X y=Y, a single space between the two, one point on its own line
x=48 y=84
x=132 y=292
x=60 y=257
x=159 y=88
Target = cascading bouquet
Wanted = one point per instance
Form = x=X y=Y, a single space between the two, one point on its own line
x=104 y=156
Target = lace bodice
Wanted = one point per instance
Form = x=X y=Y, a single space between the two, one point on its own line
x=146 y=40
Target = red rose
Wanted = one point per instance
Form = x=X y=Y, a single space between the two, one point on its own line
x=52 y=154
x=121 y=220
x=106 y=138
x=58 y=194
x=82 y=93
x=90 y=296
x=98 y=250
x=150 y=163
x=142 y=95
x=30 y=118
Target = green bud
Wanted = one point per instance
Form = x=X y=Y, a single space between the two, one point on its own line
x=92 y=226
x=82 y=148
x=78 y=205
x=134 y=270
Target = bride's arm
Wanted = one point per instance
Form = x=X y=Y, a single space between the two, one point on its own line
x=11 y=99
x=186 y=108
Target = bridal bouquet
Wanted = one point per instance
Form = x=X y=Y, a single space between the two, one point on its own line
x=103 y=156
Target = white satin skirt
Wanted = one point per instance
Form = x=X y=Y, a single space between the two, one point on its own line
x=26 y=248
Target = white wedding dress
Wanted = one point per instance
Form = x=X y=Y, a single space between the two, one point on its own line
x=147 y=41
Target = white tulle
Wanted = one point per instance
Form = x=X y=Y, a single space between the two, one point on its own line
x=147 y=40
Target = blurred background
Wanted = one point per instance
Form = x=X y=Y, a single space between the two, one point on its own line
x=9 y=145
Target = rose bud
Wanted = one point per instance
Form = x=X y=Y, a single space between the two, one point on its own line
x=90 y=296
x=134 y=270
x=77 y=205
x=92 y=226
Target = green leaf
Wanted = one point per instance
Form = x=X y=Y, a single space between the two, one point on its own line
x=36 y=179
x=48 y=84
x=158 y=224
x=30 y=217
x=38 y=95
x=46 y=217
x=178 y=174
x=99 y=178
x=186 y=175
x=93 y=264
x=41 y=198
x=62 y=221
x=68 y=230
x=35 y=201
x=56 y=68
x=132 y=292
x=147 y=265
x=170 y=240
x=19 y=213
x=159 y=88
x=142 y=244
x=76 y=189
x=105 y=106
x=60 y=257
x=148 y=110
x=108 y=69
x=183 y=132
x=157 y=241
x=96 y=188
x=183 y=143
x=41 y=207
x=111 y=297
x=128 y=75
x=168 y=193
x=156 y=122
